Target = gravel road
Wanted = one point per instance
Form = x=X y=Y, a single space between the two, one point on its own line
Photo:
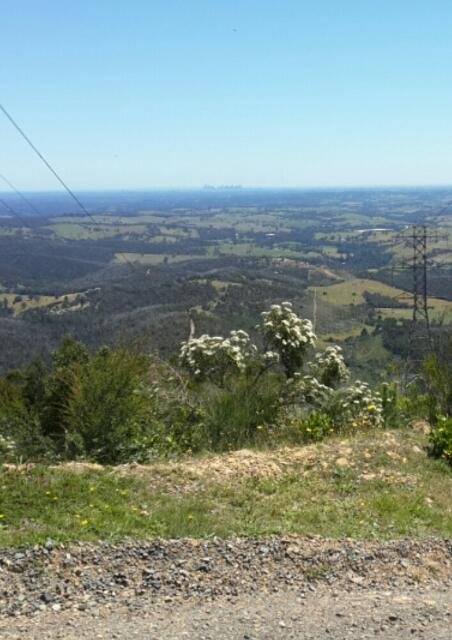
x=321 y=614
x=278 y=587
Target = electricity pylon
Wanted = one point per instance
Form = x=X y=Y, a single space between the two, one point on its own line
x=420 y=331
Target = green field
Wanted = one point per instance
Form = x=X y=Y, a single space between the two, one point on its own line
x=219 y=285
x=36 y=301
x=79 y=231
x=351 y=292
x=155 y=258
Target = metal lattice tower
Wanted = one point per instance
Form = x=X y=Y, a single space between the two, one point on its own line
x=419 y=268
x=420 y=333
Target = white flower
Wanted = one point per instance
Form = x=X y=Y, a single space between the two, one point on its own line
x=329 y=367
x=214 y=355
x=287 y=333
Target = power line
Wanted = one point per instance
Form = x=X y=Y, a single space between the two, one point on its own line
x=57 y=176
x=45 y=240
x=14 y=213
x=48 y=165
x=443 y=208
x=21 y=195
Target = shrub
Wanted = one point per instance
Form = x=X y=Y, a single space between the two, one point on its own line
x=7 y=448
x=395 y=408
x=240 y=414
x=287 y=334
x=438 y=377
x=106 y=413
x=177 y=415
x=113 y=406
x=307 y=392
x=212 y=357
x=51 y=403
x=312 y=428
x=118 y=404
x=20 y=432
x=329 y=367
x=356 y=406
x=417 y=403
x=440 y=439
x=236 y=400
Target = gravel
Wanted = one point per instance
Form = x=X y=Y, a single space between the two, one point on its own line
x=199 y=588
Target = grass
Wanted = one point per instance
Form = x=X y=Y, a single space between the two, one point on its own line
x=218 y=285
x=35 y=301
x=351 y=292
x=389 y=489
x=438 y=314
x=156 y=258
x=240 y=220
x=353 y=332
x=179 y=233
x=83 y=231
x=248 y=249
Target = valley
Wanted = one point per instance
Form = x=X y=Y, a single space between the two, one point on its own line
x=217 y=258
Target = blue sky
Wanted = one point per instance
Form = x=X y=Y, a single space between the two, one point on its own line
x=149 y=94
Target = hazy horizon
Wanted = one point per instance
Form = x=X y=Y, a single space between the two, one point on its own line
x=232 y=188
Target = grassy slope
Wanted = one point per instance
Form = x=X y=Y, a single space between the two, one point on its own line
x=26 y=303
x=351 y=292
x=386 y=488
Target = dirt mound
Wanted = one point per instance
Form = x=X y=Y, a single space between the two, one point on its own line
x=358 y=453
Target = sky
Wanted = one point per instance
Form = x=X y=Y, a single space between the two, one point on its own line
x=146 y=94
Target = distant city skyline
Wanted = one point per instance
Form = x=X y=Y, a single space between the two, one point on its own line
x=143 y=96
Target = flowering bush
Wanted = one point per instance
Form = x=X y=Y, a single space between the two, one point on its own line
x=357 y=406
x=313 y=428
x=288 y=334
x=213 y=356
x=307 y=390
x=441 y=439
x=270 y=358
x=319 y=389
x=329 y=367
